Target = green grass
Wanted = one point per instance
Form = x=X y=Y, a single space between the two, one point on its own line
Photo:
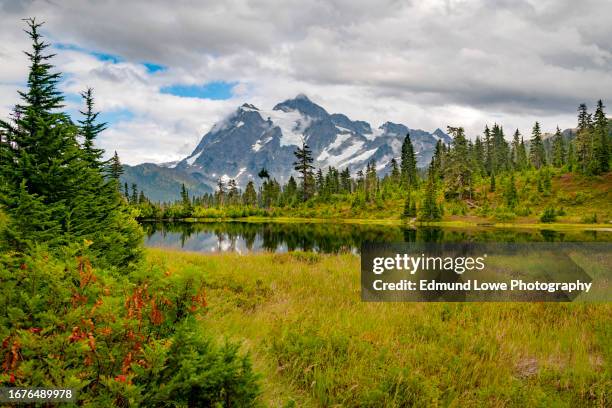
x=317 y=344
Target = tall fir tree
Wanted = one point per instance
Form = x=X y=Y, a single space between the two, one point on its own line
x=408 y=163
x=249 y=198
x=43 y=166
x=602 y=139
x=584 y=140
x=430 y=211
x=115 y=169
x=303 y=165
x=558 y=149
x=537 y=154
x=185 y=201
x=395 y=172
x=458 y=178
x=90 y=128
x=479 y=156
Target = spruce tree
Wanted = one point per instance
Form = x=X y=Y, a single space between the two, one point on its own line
x=249 y=198
x=492 y=183
x=345 y=181
x=430 y=211
x=303 y=165
x=185 y=201
x=601 y=142
x=510 y=193
x=44 y=165
x=558 y=149
x=134 y=196
x=395 y=172
x=408 y=163
x=115 y=168
x=571 y=157
x=489 y=150
x=89 y=130
x=479 y=156
x=537 y=154
x=409 y=207
x=584 y=140
x=458 y=178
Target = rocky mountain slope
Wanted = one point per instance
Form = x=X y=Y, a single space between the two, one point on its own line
x=252 y=138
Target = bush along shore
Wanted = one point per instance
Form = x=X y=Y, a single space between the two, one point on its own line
x=79 y=306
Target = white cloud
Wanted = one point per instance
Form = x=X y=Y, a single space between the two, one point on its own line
x=427 y=64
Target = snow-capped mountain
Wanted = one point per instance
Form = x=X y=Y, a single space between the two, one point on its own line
x=252 y=138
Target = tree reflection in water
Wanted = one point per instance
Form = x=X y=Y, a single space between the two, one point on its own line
x=332 y=237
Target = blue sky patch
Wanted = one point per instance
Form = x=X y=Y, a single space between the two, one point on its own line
x=153 y=68
x=217 y=90
x=102 y=56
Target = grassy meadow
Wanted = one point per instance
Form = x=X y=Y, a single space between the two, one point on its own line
x=315 y=343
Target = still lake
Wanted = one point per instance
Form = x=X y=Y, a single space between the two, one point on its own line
x=244 y=237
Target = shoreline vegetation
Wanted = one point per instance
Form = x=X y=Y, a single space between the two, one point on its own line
x=458 y=223
x=316 y=343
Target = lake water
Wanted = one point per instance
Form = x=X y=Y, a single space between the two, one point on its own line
x=244 y=237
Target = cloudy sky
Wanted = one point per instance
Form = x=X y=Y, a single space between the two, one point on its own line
x=164 y=72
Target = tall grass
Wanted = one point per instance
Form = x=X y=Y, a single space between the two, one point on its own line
x=317 y=344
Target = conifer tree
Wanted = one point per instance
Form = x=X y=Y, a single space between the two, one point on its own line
x=44 y=166
x=320 y=182
x=409 y=207
x=345 y=181
x=303 y=165
x=115 y=168
x=510 y=193
x=220 y=193
x=584 y=140
x=185 y=201
x=501 y=151
x=492 y=183
x=395 y=172
x=89 y=130
x=571 y=157
x=291 y=190
x=518 y=153
x=439 y=160
x=408 y=163
x=430 y=211
x=537 y=153
x=249 y=198
x=479 y=156
x=489 y=150
x=134 y=196
x=522 y=155
x=601 y=142
x=558 y=149
x=458 y=178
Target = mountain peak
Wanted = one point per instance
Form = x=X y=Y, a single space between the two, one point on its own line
x=248 y=106
x=304 y=105
x=302 y=96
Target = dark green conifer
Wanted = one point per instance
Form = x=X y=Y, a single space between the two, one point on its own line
x=303 y=165
x=558 y=149
x=537 y=154
x=408 y=163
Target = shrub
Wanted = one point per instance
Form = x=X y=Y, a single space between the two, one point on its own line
x=589 y=219
x=117 y=339
x=549 y=215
